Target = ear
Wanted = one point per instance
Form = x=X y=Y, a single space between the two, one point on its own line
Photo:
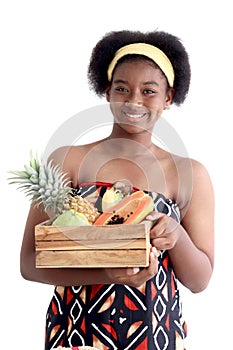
x=107 y=93
x=169 y=97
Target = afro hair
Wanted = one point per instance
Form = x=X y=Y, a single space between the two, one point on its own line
x=171 y=45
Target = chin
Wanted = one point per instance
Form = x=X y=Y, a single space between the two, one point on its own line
x=132 y=128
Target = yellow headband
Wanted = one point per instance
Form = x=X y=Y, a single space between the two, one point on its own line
x=149 y=51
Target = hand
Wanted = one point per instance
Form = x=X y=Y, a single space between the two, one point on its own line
x=163 y=234
x=134 y=277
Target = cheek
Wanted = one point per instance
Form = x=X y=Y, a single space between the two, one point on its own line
x=117 y=107
x=118 y=98
x=110 y=96
x=114 y=107
x=156 y=108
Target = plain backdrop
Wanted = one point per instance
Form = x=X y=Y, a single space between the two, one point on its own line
x=45 y=48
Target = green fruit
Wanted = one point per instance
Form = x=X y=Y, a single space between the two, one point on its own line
x=71 y=218
x=110 y=198
x=115 y=194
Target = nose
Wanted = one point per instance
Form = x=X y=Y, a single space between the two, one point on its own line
x=134 y=98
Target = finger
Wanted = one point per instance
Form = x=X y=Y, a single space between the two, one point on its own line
x=155 y=248
x=146 y=273
x=162 y=243
x=167 y=224
x=132 y=271
x=117 y=273
x=154 y=215
x=159 y=229
x=153 y=263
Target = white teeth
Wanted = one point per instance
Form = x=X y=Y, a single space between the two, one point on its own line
x=135 y=116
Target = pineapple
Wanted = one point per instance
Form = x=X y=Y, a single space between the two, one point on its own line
x=45 y=184
x=81 y=205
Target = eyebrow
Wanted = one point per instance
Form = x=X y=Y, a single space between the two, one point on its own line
x=121 y=81
x=151 y=83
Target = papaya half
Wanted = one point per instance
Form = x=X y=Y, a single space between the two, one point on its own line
x=130 y=210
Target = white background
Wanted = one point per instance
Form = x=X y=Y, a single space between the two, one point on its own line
x=45 y=48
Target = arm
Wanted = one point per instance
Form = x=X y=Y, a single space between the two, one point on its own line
x=191 y=244
x=63 y=156
x=49 y=276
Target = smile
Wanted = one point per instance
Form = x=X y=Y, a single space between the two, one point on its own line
x=135 y=116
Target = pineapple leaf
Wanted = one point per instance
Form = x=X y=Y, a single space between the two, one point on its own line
x=45 y=183
x=19 y=173
x=30 y=170
x=34 y=162
x=17 y=180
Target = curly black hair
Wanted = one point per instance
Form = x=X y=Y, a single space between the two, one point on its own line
x=171 y=45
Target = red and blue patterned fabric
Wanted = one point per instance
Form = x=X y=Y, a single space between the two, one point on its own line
x=120 y=317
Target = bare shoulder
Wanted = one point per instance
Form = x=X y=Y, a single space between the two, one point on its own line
x=201 y=175
x=64 y=156
x=197 y=169
x=198 y=189
x=193 y=181
x=69 y=159
x=202 y=184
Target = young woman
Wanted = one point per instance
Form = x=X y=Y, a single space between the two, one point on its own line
x=141 y=75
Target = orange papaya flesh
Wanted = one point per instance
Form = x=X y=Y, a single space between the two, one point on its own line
x=130 y=210
x=145 y=207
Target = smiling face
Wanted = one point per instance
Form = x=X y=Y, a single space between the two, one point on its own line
x=138 y=95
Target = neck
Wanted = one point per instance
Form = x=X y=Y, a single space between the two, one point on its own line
x=131 y=142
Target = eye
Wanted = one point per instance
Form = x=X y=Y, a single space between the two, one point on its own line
x=121 y=89
x=149 y=91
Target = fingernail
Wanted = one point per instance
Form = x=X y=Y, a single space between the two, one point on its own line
x=149 y=217
x=135 y=270
x=154 y=250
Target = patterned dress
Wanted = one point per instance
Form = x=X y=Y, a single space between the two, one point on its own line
x=119 y=317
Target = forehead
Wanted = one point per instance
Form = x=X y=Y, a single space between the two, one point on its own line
x=132 y=59
x=137 y=66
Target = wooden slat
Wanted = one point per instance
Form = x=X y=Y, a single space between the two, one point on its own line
x=94 y=258
x=90 y=232
x=87 y=245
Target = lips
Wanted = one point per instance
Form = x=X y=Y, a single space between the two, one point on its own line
x=134 y=116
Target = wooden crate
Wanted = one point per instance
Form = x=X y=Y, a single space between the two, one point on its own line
x=92 y=246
